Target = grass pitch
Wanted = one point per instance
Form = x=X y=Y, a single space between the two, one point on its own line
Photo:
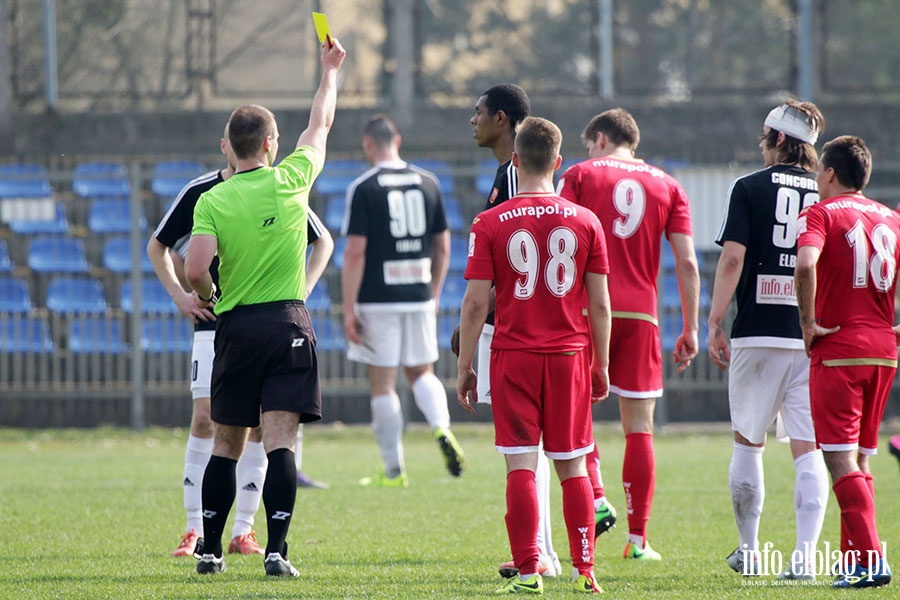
x=95 y=514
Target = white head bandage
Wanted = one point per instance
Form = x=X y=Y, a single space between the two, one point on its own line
x=793 y=122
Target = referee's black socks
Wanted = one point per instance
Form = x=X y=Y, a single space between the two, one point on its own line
x=219 y=488
x=279 y=494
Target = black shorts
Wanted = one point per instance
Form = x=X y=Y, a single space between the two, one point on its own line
x=265 y=360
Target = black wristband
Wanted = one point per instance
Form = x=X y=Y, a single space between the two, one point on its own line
x=212 y=295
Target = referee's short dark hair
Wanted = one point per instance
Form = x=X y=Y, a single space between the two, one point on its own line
x=248 y=127
x=381 y=129
x=509 y=98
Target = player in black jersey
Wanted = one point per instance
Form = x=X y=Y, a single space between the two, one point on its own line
x=769 y=369
x=395 y=263
x=166 y=249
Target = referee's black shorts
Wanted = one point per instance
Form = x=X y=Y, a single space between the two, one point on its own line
x=265 y=359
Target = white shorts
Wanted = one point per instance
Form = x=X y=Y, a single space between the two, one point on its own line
x=202 y=356
x=769 y=384
x=483 y=368
x=392 y=338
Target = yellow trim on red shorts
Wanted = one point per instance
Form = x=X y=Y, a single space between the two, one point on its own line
x=856 y=362
x=624 y=314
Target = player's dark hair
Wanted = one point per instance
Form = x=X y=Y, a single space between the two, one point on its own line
x=381 y=129
x=509 y=98
x=537 y=145
x=618 y=125
x=248 y=127
x=851 y=160
x=793 y=151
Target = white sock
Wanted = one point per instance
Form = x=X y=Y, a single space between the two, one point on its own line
x=748 y=491
x=196 y=455
x=542 y=482
x=431 y=398
x=298 y=451
x=637 y=540
x=251 y=474
x=810 y=500
x=387 y=423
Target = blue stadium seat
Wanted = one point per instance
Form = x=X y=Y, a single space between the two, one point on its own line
x=170 y=177
x=442 y=169
x=337 y=175
x=117 y=256
x=94 y=179
x=670 y=328
x=453 y=291
x=334 y=213
x=76 y=295
x=96 y=335
x=459 y=252
x=337 y=257
x=49 y=254
x=329 y=334
x=14 y=296
x=112 y=215
x=445 y=326
x=319 y=300
x=453 y=211
x=24 y=180
x=167 y=335
x=26 y=334
x=6 y=264
x=58 y=225
x=484 y=179
x=154 y=299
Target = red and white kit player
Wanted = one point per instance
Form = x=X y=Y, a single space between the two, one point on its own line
x=549 y=353
x=637 y=204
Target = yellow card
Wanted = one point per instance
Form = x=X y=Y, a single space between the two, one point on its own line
x=321 y=23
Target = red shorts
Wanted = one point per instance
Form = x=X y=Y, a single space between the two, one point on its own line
x=549 y=394
x=635 y=359
x=847 y=404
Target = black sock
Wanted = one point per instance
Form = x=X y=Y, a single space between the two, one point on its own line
x=279 y=493
x=219 y=489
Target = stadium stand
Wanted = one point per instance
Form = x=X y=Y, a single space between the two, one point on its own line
x=14 y=296
x=76 y=295
x=337 y=175
x=96 y=335
x=329 y=334
x=96 y=179
x=334 y=212
x=459 y=252
x=117 y=256
x=163 y=335
x=442 y=169
x=26 y=335
x=319 y=300
x=169 y=177
x=49 y=254
x=453 y=211
x=484 y=178
x=37 y=226
x=24 y=180
x=6 y=263
x=445 y=326
x=154 y=297
x=337 y=258
x=112 y=215
x=453 y=291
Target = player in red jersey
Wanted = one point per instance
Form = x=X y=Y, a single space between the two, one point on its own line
x=637 y=203
x=845 y=277
x=547 y=260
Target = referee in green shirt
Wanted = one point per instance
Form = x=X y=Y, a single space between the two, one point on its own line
x=265 y=358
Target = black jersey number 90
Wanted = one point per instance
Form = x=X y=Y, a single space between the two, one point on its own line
x=787 y=209
x=407 y=211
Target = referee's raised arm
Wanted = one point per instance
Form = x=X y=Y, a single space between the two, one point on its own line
x=321 y=114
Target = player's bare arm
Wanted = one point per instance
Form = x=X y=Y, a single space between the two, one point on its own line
x=196 y=266
x=321 y=114
x=473 y=312
x=728 y=273
x=805 y=285
x=166 y=270
x=440 y=264
x=319 y=255
x=351 y=280
x=688 y=276
x=600 y=315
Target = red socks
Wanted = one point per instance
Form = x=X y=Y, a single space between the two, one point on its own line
x=857 y=516
x=578 y=512
x=522 y=519
x=638 y=479
x=593 y=468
